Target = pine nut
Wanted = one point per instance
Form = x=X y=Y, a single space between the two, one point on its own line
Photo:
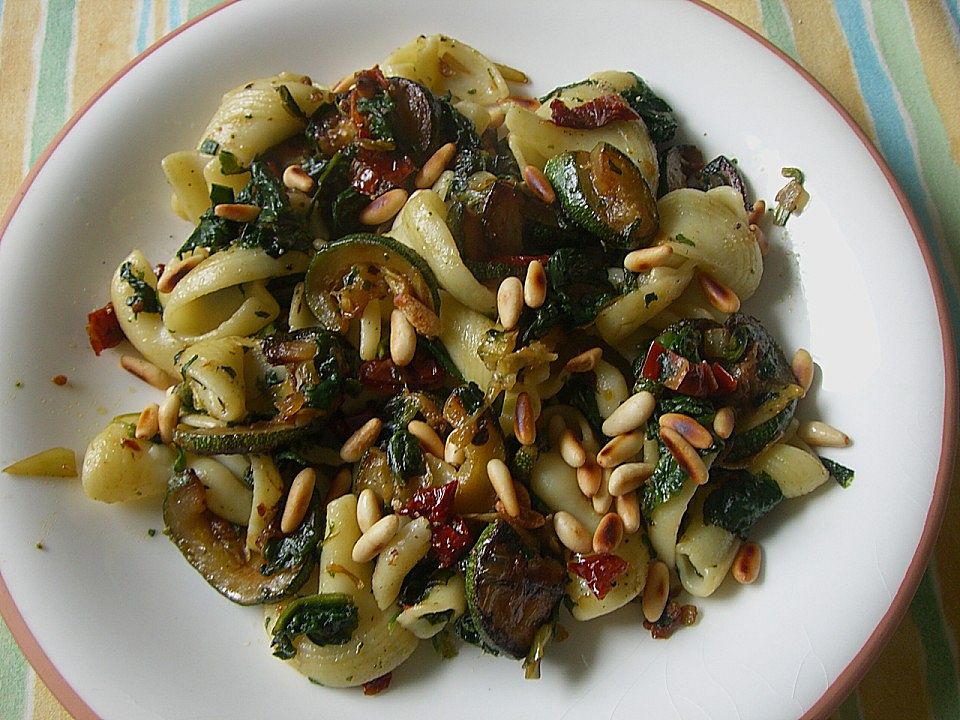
x=524 y=423
x=453 y=453
x=374 y=540
x=685 y=454
x=609 y=534
x=818 y=434
x=589 y=476
x=167 y=417
x=423 y=319
x=538 y=184
x=644 y=259
x=571 y=450
x=148 y=423
x=656 y=591
x=427 y=436
x=175 y=271
x=572 y=533
x=435 y=165
x=357 y=444
x=761 y=239
x=688 y=428
x=368 y=510
x=512 y=74
x=620 y=449
x=802 y=366
x=502 y=483
x=346 y=82
x=631 y=414
x=757 y=212
x=298 y=500
x=146 y=371
x=383 y=207
x=510 y=302
x=403 y=339
x=628 y=508
x=584 y=362
x=296 y=178
x=628 y=477
x=237 y=212
x=602 y=499
x=340 y=485
x=529 y=103
x=723 y=422
x=719 y=295
x=535 y=285
x=746 y=563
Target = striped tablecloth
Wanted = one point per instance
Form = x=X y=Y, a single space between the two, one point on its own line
x=894 y=65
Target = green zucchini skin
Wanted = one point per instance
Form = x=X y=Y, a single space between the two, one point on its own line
x=256 y=438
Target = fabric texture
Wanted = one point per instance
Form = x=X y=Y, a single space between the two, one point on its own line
x=893 y=64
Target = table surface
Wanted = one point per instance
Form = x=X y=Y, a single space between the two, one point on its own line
x=893 y=64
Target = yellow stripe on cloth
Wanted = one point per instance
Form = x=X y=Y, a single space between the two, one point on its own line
x=106 y=31
x=941 y=64
x=895 y=686
x=21 y=24
x=45 y=705
x=159 y=19
x=746 y=11
x=825 y=54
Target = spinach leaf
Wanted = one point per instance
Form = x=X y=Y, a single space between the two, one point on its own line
x=656 y=113
x=277 y=229
x=144 y=298
x=579 y=392
x=212 y=232
x=739 y=500
x=378 y=110
x=404 y=455
x=298 y=548
x=346 y=211
x=326 y=619
x=667 y=479
x=841 y=473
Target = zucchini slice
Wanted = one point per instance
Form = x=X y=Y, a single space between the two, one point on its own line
x=256 y=438
x=603 y=192
x=514 y=587
x=344 y=275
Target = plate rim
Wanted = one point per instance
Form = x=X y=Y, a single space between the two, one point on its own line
x=857 y=667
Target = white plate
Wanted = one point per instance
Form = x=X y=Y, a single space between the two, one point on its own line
x=122 y=628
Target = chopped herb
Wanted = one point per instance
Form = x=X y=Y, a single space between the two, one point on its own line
x=650 y=297
x=144 y=297
x=152 y=532
x=209 y=146
x=220 y=194
x=841 y=473
x=290 y=104
x=378 y=111
x=261 y=313
x=684 y=240
x=228 y=370
x=229 y=165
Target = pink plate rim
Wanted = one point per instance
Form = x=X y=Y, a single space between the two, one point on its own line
x=858 y=666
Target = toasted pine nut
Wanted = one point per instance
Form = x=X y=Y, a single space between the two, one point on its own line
x=719 y=295
x=571 y=450
x=628 y=477
x=685 y=455
x=502 y=482
x=376 y=538
x=609 y=534
x=298 y=500
x=761 y=239
x=174 y=272
x=346 y=82
x=819 y=434
x=628 y=508
x=453 y=453
x=631 y=414
x=802 y=366
x=368 y=510
x=528 y=103
x=572 y=533
x=524 y=423
x=340 y=485
x=146 y=371
x=357 y=444
x=510 y=302
x=538 y=184
x=746 y=563
x=148 y=423
x=589 y=476
x=646 y=258
x=427 y=436
x=602 y=499
x=296 y=178
x=435 y=165
x=656 y=591
x=512 y=74
x=584 y=362
x=423 y=319
x=535 y=285
x=756 y=213
x=723 y=422
x=403 y=339
x=688 y=428
x=237 y=212
x=167 y=417
x=383 y=207
x=620 y=449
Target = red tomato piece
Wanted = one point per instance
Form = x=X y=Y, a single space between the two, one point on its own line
x=103 y=329
x=600 y=572
x=593 y=113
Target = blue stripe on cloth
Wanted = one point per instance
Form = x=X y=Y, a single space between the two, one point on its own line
x=894 y=139
x=174 y=15
x=953 y=9
x=143 y=26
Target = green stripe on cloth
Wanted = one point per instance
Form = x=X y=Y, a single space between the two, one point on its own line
x=943 y=681
x=776 y=26
x=13 y=678
x=195 y=7
x=52 y=97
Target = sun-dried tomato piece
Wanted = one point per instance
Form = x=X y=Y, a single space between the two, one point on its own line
x=377 y=685
x=593 y=113
x=433 y=503
x=373 y=172
x=383 y=376
x=451 y=542
x=674 y=617
x=600 y=572
x=103 y=329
